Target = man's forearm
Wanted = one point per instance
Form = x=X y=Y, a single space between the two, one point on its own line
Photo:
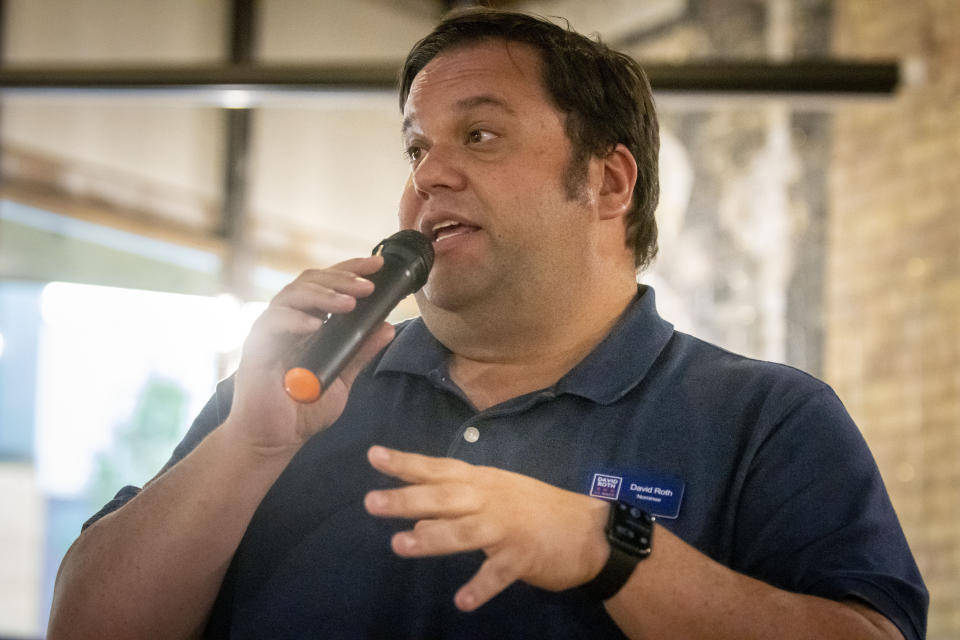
x=680 y=593
x=154 y=567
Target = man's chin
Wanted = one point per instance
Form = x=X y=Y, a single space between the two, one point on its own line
x=446 y=297
x=434 y=300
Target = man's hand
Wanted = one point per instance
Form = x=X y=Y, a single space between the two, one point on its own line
x=529 y=530
x=263 y=415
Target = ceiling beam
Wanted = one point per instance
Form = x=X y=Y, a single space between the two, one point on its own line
x=833 y=77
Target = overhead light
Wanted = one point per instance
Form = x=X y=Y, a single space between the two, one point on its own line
x=236 y=99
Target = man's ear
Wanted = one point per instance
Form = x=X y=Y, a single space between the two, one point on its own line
x=619 y=177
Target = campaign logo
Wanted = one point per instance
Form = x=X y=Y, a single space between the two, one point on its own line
x=604 y=486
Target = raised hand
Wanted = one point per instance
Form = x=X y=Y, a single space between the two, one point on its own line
x=529 y=530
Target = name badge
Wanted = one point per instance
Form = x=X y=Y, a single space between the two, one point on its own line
x=658 y=494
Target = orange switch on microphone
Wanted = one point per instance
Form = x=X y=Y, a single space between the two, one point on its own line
x=302 y=385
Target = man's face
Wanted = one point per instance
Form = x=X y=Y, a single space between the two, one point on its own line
x=489 y=157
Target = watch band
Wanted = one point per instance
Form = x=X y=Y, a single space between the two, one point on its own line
x=613 y=576
x=630 y=533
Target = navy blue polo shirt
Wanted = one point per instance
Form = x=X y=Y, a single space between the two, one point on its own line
x=755 y=464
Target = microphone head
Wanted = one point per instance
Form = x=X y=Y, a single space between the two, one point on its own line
x=414 y=249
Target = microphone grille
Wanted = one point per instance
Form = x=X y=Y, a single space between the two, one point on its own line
x=411 y=246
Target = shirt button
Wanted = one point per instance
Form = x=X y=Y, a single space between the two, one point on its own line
x=471 y=434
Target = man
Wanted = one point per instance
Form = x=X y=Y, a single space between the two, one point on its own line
x=460 y=485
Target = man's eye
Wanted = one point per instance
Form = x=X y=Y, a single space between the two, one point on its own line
x=413 y=153
x=479 y=135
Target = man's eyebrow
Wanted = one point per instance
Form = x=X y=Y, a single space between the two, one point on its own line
x=465 y=104
x=483 y=100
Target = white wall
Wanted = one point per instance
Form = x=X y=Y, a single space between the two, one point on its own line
x=325 y=173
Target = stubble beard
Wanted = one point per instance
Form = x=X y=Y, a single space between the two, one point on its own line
x=574 y=176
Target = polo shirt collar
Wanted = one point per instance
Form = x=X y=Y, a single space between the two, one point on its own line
x=613 y=368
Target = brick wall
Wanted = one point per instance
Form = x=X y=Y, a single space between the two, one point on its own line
x=743 y=210
x=893 y=277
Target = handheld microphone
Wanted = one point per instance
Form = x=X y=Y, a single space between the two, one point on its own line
x=407 y=260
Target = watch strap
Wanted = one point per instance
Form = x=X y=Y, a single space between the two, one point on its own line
x=629 y=532
x=613 y=576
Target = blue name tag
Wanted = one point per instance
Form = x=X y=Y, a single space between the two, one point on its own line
x=658 y=494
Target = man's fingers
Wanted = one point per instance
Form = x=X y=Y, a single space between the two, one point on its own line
x=441 y=537
x=334 y=291
x=361 y=266
x=497 y=573
x=448 y=500
x=331 y=290
x=285 y=320
x=318 y=299
x=413 y=467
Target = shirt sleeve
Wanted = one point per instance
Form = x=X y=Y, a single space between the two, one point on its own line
x=814 y=516
x=210 y=417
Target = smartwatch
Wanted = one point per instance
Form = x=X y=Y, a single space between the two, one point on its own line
x=630 y=534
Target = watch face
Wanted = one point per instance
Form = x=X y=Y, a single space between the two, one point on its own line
x=630 y=529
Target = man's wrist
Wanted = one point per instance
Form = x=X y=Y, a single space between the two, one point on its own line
x=245 y=448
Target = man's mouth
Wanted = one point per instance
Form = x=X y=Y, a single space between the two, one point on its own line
x=449 y=229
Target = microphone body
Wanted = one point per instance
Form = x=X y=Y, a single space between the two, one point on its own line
x=407 y=260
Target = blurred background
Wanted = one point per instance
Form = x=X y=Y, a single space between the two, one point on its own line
x=165 y=167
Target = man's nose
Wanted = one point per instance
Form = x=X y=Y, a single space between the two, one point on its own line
x=439 y=169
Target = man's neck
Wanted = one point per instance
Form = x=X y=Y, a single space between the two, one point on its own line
x=495 y=361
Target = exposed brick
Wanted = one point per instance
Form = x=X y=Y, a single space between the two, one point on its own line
x=893 y=294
